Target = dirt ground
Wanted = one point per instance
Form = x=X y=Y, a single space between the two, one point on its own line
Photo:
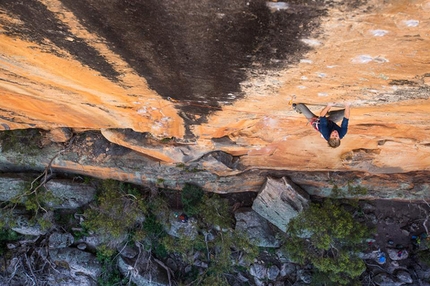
x=395 y=222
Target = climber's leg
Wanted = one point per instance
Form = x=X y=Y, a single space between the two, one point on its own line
x=301 y=108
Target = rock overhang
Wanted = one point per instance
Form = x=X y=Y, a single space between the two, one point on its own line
x=200 y=71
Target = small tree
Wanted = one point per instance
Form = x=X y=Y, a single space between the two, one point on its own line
x=118 y=209
x=215 y=211
x=328 y=237
x=191 y=197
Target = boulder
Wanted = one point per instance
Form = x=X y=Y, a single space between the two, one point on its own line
x=304 y=276
x=258 y=271
x=288 y=269
x=144 y=273
x=128 y=252
x=182 y=228
x=66 y=193
x=422 y=271
x=397 y=254
x=283 y=256
x=11 y=186
x=64 y=278
x=77 y=261
x=60 y=240
x=404 y=276
x=384 y=279
x=69 y=195
x=280 y=200
x=59 y=135
x=242 y=278
x=25 y=227
x=258 y=282
x=256 y=228
x=273 y=272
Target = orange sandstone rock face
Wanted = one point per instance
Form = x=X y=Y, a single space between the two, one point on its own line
x=200 y=77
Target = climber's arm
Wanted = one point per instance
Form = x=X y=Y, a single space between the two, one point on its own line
x=347 y=110
x=326 y=109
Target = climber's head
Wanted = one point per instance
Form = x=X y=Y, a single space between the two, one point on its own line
x=334 y=140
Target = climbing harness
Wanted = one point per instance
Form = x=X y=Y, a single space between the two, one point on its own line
x=315 y=122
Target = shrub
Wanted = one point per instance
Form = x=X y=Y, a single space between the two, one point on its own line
x=117 y=210
x=184 y=246
x=35 y=198
x=152 y=226
x=242 y=244
x=215 y=211
x=327 y=236
x=7 y=235
x=351 y=191
x=7 y=219
x=191 y=197
x=110 y=274
x=22 y=141
x=214 y=279
x=424 y=256
x=160 y=209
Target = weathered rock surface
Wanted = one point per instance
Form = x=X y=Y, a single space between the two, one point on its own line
x=219 y=77
x=279 y=201
x=404 y=276
x=91 y=154
x=383 y=279
x=179 y=229
x=78 y=262
x=65 y=194
x=60 y=240
x=25 y=227
x=258 y=270
x=397 y=254
x=61 y=134
x=256 y=228
x=144 y=273
x=69 y=195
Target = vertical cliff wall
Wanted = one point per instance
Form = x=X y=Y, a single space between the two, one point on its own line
x=175 y=80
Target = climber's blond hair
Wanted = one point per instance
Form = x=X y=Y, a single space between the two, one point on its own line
x=334 y=142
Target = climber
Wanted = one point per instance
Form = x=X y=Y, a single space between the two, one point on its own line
x=325 y=124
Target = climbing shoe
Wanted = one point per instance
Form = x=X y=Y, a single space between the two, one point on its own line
x=295 y=108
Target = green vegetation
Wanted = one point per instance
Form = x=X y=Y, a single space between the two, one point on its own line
x=123 y=214
x=117 y=210
x=327 y=236
x=118 y=214
x=211 y=213
x=424 y=256
x=35 y=199
x=191 y=197
x=7 y=235
x=110 y=274
x=167 y=140
x=25 y=141
x=214 y=211
x=351 y=191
